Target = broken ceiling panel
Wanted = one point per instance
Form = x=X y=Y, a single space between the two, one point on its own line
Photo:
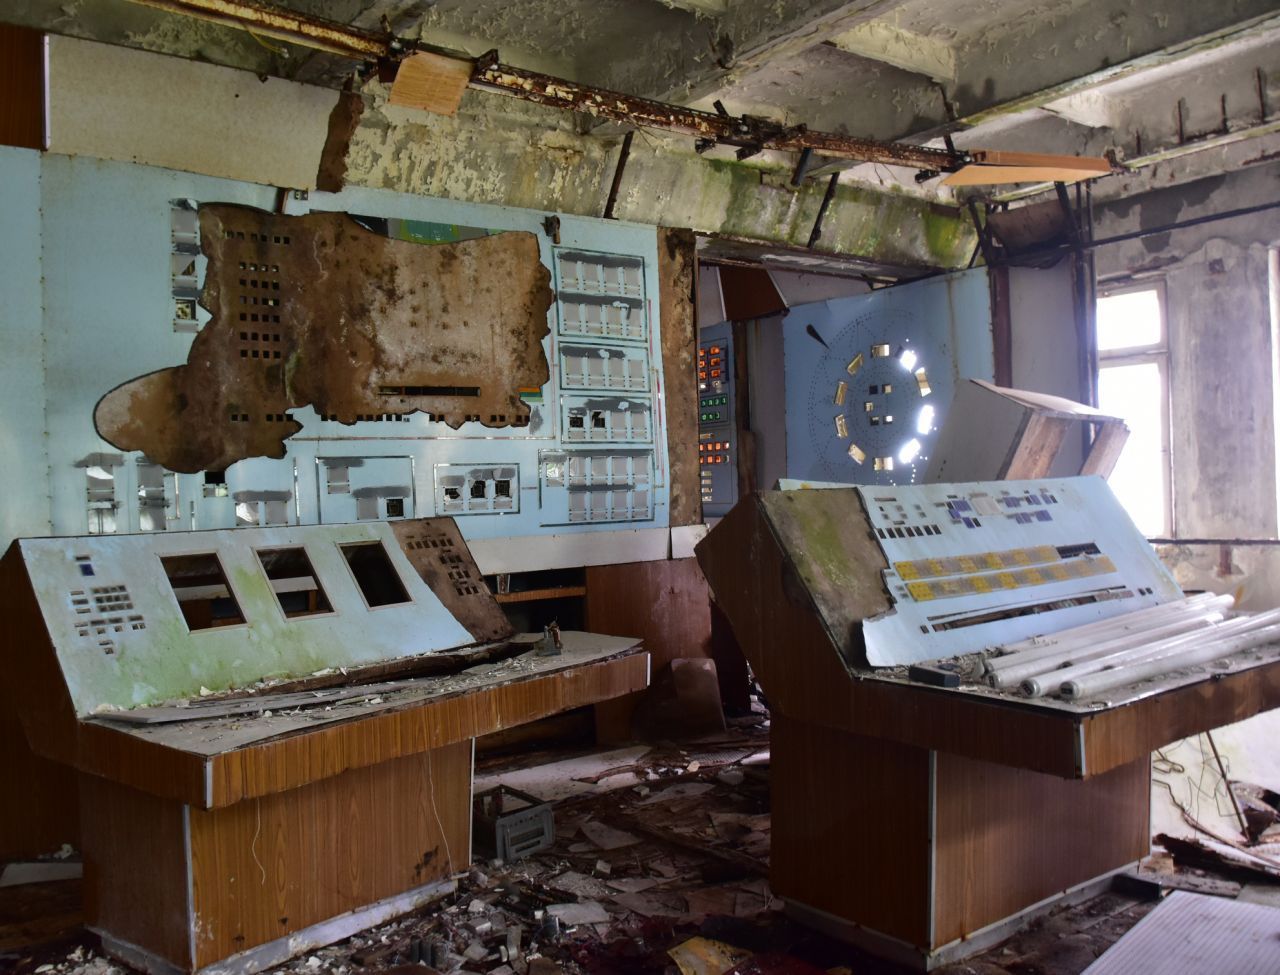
x=316 y=310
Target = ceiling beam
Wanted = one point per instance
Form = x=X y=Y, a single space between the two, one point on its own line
x=880 y=40
x=1091 y=108
x=700 y=62
x=1240 y=148
x=1210 y=29
x=699 y=8
x=1059 y=65
x=384 y=50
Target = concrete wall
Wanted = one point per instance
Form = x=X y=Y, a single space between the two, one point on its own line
x=1223 y=434
x=496 y=150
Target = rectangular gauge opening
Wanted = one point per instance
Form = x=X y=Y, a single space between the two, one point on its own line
x=294 y=582
x=374 y=574
x=202 y=590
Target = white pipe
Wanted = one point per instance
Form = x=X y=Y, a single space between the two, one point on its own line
x=1014 y=675
x=1111 y=622
x=1051 y=644
x=1101 y=627
x=1108 y=679
x=1048 y=682
x=1121 y=626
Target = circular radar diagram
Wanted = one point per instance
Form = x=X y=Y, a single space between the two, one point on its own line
x=872 y=416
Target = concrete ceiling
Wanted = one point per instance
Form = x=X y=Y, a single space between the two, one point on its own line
x=1175 y=90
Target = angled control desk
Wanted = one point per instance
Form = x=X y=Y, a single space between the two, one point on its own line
x=271 y=730
x=919 y=820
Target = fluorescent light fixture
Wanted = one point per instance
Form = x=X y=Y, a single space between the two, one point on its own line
x=908 y=360
x=909 y=451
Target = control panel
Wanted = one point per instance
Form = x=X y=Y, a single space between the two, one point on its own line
x=717 y=435
x=590 y=456
x=974 y=565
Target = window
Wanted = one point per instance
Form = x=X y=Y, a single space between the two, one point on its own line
x=1133 y=383
x=203 y=594
x=374 y=573
x=294 y=582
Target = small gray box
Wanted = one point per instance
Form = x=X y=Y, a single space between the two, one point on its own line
x=509 y=824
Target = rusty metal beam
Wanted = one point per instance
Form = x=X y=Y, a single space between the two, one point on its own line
x=747 y=132
x=286 y=25
x=744 y=131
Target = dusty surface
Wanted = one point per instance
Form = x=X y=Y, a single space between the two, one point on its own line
x=316 y=310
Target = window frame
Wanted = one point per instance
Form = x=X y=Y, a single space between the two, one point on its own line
x=1156 y=353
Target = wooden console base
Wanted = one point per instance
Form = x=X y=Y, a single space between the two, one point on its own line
x=923 y=848
x=179 y=888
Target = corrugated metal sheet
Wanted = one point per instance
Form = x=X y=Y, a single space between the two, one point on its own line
x=1192 y=934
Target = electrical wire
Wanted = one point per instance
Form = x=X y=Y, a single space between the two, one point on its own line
x=277 y=51
x=253 y=847
x=439 y=825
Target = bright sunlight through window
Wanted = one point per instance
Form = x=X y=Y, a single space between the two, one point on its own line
x=1133 y=384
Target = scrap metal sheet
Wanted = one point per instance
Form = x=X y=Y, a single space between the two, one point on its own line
x=1194 y=934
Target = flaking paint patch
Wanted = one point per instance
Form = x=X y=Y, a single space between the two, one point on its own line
x=317 y=310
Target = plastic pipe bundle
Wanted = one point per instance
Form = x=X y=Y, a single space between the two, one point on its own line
x=1052 y=682
x=1075 y=648
x=1176 y=659
x=1037 y=645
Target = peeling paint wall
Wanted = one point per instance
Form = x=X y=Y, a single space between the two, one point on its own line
x=1223 y=435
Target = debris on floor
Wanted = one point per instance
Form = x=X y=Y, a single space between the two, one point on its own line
x=659 y=863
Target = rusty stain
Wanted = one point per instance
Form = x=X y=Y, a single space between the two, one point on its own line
x=316 y=310
x=331 y=175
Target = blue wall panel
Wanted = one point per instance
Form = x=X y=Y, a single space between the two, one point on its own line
x=869 y=378
x=593 y=457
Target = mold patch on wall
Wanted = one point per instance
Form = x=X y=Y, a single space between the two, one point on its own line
x=317 y=310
